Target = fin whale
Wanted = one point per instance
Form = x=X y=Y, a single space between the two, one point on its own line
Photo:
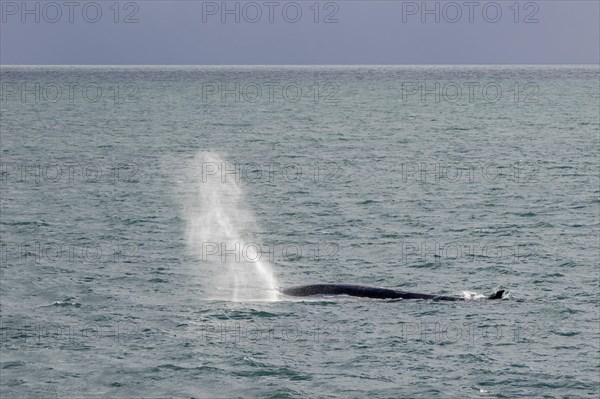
x=370 y=292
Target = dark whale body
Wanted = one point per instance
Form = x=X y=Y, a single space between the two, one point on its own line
x=369 y=292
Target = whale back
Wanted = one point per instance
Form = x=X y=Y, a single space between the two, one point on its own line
x=497 y=295
x=369 y=292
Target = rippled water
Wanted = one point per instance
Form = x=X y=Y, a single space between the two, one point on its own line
x=453 y=180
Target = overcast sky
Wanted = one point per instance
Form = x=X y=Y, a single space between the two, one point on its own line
x=298 y=32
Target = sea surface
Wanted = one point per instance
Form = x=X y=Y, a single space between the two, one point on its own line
x=150 y=214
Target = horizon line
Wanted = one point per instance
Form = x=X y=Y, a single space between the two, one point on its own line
x=293 y=65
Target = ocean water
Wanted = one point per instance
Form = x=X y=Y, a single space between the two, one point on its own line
x=150 y=214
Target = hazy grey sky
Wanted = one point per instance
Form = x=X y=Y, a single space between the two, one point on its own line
x=299 y=32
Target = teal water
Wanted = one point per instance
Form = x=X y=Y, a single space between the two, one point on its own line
x=119 y=185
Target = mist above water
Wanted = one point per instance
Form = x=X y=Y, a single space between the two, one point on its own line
x=218 y=226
